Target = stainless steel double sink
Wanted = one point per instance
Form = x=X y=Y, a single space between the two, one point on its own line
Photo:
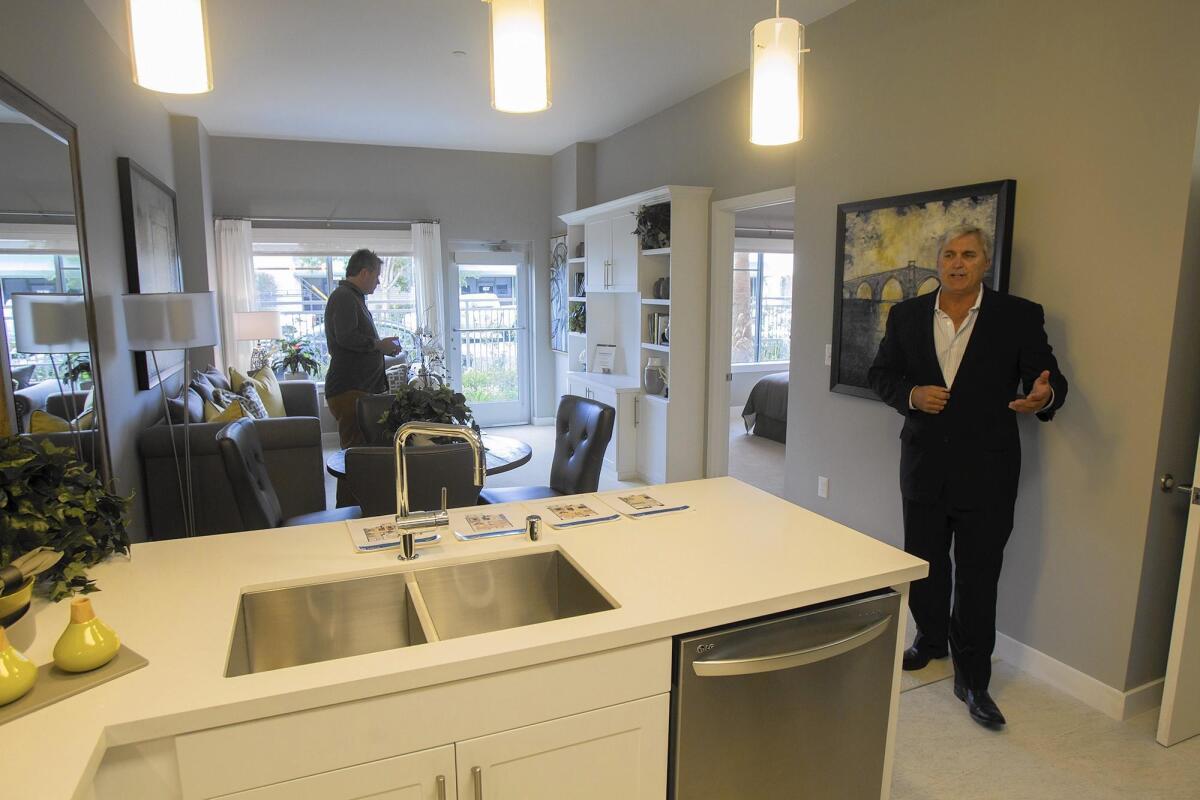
x=278 y=628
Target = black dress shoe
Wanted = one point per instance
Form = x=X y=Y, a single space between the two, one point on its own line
x=918 y=658
x=981 y=706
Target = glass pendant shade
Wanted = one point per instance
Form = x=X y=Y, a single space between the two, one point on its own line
x=778 y=82
x=168 y=42
x=520 y=62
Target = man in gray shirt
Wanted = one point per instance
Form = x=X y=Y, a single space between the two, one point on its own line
x=355 y=350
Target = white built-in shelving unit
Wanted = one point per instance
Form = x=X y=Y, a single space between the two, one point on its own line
x=658 y=438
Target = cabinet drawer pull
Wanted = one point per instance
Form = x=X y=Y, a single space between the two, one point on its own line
x=441 y=787
x=477 y=778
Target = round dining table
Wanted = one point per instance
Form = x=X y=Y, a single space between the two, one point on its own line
x=503 y=453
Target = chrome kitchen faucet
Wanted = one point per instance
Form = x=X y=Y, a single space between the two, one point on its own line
x=410 y=524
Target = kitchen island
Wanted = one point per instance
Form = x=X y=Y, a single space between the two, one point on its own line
x=179 y=728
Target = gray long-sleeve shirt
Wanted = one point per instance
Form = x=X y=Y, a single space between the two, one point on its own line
x=350 y=334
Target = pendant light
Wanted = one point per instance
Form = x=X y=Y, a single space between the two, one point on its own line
x=520 y=60
x=168 y=42
x=777 y=47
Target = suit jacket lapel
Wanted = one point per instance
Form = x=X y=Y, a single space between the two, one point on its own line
x=928 y=350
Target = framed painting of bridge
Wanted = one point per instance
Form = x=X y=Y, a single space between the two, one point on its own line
x=886 y=254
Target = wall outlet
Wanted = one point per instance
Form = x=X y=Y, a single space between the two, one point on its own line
x=828 y=355
x=822 y=486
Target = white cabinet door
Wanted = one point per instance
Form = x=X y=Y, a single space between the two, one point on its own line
x=652 y=440
x=616 y=752
x=623 y=272
x=597 y=238
x=427 y=775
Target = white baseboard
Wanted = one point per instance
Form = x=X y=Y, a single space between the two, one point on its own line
x=1120 y=705
x=543 y=420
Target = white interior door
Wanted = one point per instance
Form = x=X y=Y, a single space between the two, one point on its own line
x=488 y=294
x=1179 y=717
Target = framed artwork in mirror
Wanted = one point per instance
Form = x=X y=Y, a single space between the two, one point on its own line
x=886 y=255
x=558 y=293
x=152 y=264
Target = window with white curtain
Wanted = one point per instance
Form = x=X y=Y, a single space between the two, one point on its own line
x=296 y=269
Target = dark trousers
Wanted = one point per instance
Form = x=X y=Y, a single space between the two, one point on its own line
x=968 y=626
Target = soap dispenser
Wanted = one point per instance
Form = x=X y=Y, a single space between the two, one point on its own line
x=17 y=673
x=87 y=643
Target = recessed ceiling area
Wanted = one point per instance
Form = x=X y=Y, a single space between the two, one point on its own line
x=376 y=72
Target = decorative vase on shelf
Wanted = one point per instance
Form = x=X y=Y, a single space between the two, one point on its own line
x=17 y=673
x=87 y=643
x=655 y=377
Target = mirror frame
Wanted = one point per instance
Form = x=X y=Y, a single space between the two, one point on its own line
x=55 y=124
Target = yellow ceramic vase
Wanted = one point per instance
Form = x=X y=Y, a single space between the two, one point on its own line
x=87 y=643
x=17 y=673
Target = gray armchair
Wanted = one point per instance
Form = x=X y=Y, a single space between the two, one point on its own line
x=292 y=452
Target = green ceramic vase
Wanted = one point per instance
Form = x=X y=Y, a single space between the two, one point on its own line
x=87 y=643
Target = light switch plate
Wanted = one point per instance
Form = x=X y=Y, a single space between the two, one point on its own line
x=822 y=486
x=828 y=355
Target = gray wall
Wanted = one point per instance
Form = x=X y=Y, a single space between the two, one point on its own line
x=702 y=141
x=197 y=247
x=572 y=182
x=488 y=196
x=35 y=172
x=1102 y=151
x=59 y=51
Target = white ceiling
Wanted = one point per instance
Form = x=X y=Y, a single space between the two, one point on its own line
x=384 y=72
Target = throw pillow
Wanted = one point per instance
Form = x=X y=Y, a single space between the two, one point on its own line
x=45 y=422
x=267 y=384
x=193 y=406
x=216 y=378
x=229 y=413
x=252 y=403
x=203 y=386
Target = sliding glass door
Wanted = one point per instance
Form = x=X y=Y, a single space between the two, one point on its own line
x=488 y=296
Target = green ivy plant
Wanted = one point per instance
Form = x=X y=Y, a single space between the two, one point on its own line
x=296 y=354
x=426 y=404
x=577 y=319
x=49 y=498
x=653 y=226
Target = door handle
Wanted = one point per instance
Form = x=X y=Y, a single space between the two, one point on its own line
x=635 y=411
x=477 y=779
x=1167 y=484
x=795 y=658
x=441 y=787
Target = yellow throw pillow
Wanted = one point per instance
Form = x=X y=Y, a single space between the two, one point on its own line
x=266 y=383
x=45 y=422
x=228 y=414
x=86 y=421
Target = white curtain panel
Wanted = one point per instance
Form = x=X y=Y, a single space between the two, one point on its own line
x=235 y=287
x=427 y=269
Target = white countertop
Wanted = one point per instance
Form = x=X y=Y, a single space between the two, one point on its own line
x=618 y=383
x=738 y=553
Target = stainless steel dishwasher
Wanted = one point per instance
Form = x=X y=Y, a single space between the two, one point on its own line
x=788 y=707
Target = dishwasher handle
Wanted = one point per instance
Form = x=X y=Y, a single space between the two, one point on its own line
x=717 y=668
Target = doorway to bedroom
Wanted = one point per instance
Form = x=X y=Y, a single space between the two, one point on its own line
x=752 y=299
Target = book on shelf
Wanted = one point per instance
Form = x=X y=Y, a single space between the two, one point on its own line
x=658 y=328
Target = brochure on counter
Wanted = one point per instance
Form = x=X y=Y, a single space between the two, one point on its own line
x=640 y=504
x=485 y=525
x=380 y=533
x=588 y=510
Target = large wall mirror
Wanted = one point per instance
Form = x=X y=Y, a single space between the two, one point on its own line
x=49 y=375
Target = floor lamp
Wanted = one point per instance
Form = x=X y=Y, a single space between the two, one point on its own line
x=257 y=326
x=178 y=321
x=53 y=324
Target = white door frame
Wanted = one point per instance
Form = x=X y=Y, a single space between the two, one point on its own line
x=720 y=321
x=1179 y=714
x=482 y=253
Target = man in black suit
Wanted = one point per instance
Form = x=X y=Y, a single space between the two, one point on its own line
x=950 y=362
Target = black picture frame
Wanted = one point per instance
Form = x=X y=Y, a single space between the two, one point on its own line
x=905 y=230
x=150 y=222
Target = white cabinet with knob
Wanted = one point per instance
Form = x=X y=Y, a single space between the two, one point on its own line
x=615 y=752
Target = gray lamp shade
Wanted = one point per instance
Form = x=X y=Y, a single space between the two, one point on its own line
x=175 y=321
x=255 y=325
x=49 y=323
